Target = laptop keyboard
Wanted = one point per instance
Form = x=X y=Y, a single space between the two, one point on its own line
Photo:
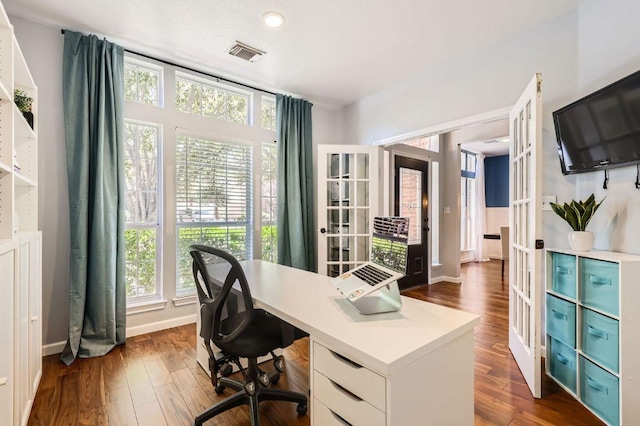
x=371 y=275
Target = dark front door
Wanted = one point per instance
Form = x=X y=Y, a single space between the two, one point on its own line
x=410 y=200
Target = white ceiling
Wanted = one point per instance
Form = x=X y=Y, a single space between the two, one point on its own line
x=332 y=52
x=490 y=148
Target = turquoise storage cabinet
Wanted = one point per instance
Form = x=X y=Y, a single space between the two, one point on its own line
x=593 y=330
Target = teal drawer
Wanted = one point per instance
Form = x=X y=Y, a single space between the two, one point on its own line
x=563 y=274
x=561 y=320
x=562 y=364
x=600 y=285
x=599 y=338
x=600 y=391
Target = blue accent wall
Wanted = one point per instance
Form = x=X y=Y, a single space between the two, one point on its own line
x=496 y=181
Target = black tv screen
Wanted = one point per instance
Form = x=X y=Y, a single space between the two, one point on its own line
x=602 y=130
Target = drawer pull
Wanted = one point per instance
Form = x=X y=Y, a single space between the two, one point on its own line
x=559 y=314
x=3 y=381
x=347 y=392
x=599 y=334
x=563 y=271
x=563 y=360
x=597 y=386
x=345 y=359
x=340 y=419
x=595 y=280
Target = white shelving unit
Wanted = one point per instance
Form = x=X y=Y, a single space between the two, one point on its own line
x=592 y=332
x=20 y=238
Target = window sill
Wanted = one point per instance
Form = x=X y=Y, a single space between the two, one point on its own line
x=191 y=299
x=146 y=306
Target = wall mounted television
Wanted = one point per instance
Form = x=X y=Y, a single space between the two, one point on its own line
x=602 y=130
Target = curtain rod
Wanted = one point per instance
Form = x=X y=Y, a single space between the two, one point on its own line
x=173 y=64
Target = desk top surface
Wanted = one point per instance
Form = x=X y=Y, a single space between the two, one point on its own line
x=383 y=342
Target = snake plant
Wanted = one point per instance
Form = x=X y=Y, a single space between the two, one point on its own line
x=578 y=214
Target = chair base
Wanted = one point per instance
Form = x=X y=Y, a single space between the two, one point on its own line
x=242 y=397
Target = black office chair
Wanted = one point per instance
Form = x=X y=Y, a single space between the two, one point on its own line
x=232 y=324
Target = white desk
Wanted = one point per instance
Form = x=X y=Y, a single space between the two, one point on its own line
x=414 y=366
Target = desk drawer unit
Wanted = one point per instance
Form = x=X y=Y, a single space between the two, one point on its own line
x=561 y=320
x=602 y=368
x=345 y=404
x=600 y=287
x=563 y=274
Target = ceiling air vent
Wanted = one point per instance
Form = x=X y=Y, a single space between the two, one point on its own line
x=245 y=52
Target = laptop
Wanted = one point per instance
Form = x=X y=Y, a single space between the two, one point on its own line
x=372 y=287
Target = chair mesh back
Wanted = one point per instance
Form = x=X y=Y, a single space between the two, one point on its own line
x=222 y=287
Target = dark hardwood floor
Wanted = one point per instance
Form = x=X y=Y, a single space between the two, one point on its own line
x=154 y=379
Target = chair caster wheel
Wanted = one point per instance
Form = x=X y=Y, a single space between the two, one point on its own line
x=219 y=389
x=264 y=379
x=226 y=370
x=278 y=363
x=301 y=409
x=250 y=388
x=275 y=379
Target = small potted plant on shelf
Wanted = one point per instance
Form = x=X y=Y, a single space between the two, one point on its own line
x=578 y=214
x=23 y=102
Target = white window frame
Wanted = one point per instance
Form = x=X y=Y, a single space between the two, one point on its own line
x=136 y=303
x=180 y=75
x=151 y=67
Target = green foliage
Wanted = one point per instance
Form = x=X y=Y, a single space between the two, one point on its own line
x=211 y=101
x=140 y=253
x=578 y=214
x=22 y=100
x=270 y=243
x=268 y=115
x=141 y=85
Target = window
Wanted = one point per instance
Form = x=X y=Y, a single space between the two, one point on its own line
x=141 y=209
x=467 y=200
x=269 y=203
x=268 y=113
x=142 y=82
x=213 y=201
x=210 y=100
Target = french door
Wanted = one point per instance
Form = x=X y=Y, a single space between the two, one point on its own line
x=348 y=200
x=525 y=153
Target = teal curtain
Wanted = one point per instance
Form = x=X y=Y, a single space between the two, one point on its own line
x=93 y=82
x=296 y=233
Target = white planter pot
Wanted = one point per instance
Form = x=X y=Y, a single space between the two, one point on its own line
x=581 y=240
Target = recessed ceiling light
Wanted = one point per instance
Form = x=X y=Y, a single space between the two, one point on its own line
x=273 y=19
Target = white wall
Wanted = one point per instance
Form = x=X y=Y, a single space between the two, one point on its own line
x=577 y=53
x=42 y=47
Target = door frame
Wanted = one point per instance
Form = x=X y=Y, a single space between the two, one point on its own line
x=425 y=228
x=390 y=167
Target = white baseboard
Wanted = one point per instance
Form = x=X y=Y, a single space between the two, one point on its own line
x=445 y=278
x=58 y=347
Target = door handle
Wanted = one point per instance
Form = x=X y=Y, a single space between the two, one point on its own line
x=323 y=231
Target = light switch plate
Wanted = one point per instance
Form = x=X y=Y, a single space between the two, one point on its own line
x=547 y=200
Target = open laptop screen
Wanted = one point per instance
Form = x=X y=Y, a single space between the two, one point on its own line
x=389 y=242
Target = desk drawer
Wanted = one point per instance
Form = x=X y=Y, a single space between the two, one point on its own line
x=352 y=409
x=561 y=320
x=322 y=416
x=600 y=338
x=563 y=274
x=358 y=380
x=599 y=283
